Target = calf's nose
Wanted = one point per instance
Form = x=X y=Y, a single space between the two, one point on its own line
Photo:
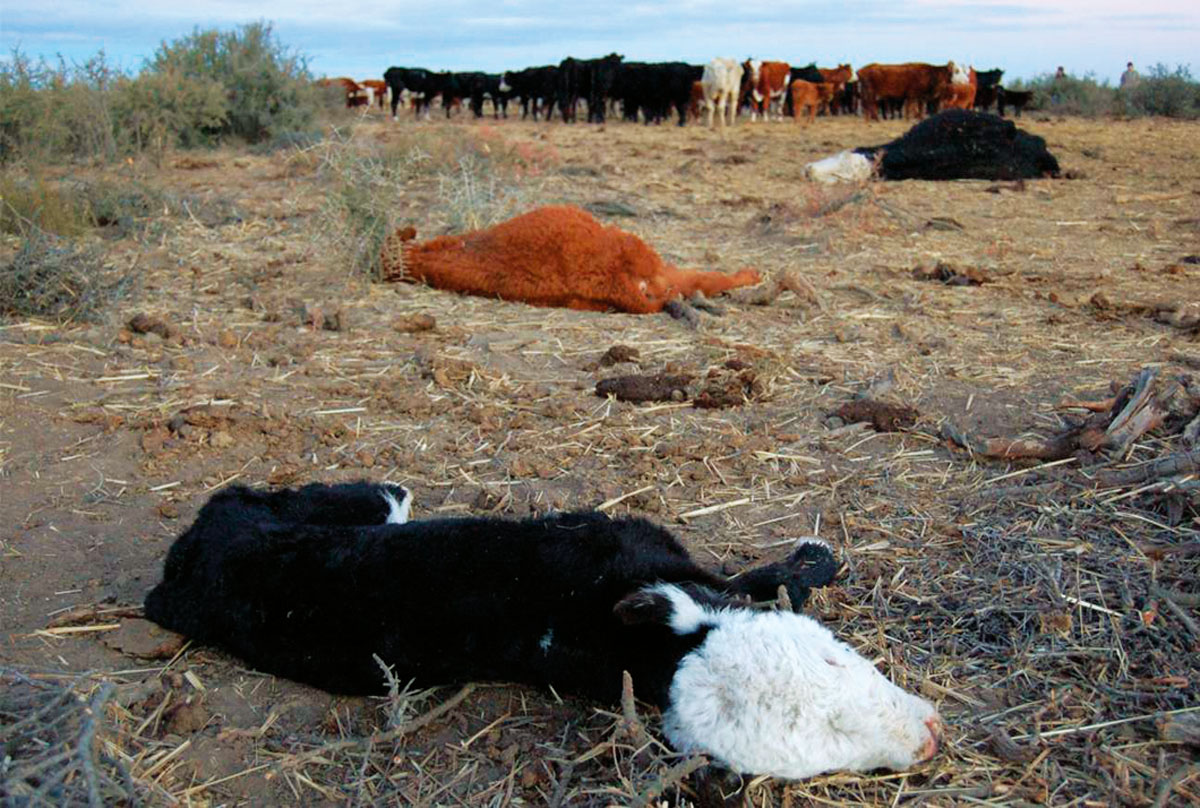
x=937 y=728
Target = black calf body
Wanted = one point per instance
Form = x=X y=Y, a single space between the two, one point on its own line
x=961 y=144
x=309 y=585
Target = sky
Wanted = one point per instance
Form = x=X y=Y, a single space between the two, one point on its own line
x=363 y=38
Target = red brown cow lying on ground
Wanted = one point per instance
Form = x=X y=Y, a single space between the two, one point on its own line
x=916 y=83
x=556 y=256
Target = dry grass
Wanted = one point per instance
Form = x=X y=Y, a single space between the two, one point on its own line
x=1053 y=619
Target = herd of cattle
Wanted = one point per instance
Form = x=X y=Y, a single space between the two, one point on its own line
x=720 y=90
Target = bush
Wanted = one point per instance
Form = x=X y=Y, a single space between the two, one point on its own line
x=157 y=110
x=1070 y=95
x=44 y=205
x=481 y=178
x=1162 y=92
x=52 y=277
x=49 y=110
x=196 y=91
x=268 y=88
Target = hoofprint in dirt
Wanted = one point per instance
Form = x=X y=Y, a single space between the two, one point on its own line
x=1053 y=620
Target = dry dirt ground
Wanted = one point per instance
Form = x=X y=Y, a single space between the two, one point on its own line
x=1051 y=616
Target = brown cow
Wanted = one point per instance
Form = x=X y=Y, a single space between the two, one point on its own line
x=378 y=88
x=960 y=92
x=768 y=84
x=696 y=102
x=810 y=94
x=356 y=96
x=915 y=83
x=837 y=77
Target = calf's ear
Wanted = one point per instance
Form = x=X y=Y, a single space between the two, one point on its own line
x=661 y=604
x=643 y=606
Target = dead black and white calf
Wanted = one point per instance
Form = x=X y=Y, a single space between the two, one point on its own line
x=957 y=144
x=298 y=586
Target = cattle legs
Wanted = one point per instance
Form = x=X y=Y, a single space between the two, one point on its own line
x=810 y=565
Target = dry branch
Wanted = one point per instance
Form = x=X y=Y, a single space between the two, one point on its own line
x=1181 y=463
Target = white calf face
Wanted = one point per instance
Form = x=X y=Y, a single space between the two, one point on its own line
x=847 y=166
x=775 y=693
x=399 y=500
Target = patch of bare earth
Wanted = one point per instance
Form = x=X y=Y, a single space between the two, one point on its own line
x=1051 y=615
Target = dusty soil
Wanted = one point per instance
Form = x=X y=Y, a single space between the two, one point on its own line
x=1023 y=600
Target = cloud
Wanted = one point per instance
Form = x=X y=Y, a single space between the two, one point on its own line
x=364 y=37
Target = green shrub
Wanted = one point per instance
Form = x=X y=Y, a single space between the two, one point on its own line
x=50 y=110
x=161 y=109
x=196 y=91
x=1163 y=92
x=268 y=88
x=1069 y=95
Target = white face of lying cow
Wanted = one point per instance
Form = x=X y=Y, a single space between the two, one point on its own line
x=775 y=693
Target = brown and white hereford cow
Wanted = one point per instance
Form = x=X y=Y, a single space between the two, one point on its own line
x=916 y=84
x=768 y=85
x=377 y=91
x=356 y=96
x=960 y=92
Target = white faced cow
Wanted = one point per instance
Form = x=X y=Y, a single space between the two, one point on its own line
x=313 y=584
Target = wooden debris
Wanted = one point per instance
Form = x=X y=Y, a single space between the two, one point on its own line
x=944 y=223
x=1139 y=407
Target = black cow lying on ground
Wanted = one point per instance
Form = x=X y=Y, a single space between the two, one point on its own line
x=311 y=584
x=957 y=144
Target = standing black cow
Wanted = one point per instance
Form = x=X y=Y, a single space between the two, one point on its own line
x=574 y=82
x=422 y=84
x=987 y=86
x=602 y=74
x=848 y=100
x=536 y=85
x=653 y=89
x=487 y=85
x=1015 y=99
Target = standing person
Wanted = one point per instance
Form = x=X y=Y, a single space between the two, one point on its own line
x=1056 y=86
x=1130 y=77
